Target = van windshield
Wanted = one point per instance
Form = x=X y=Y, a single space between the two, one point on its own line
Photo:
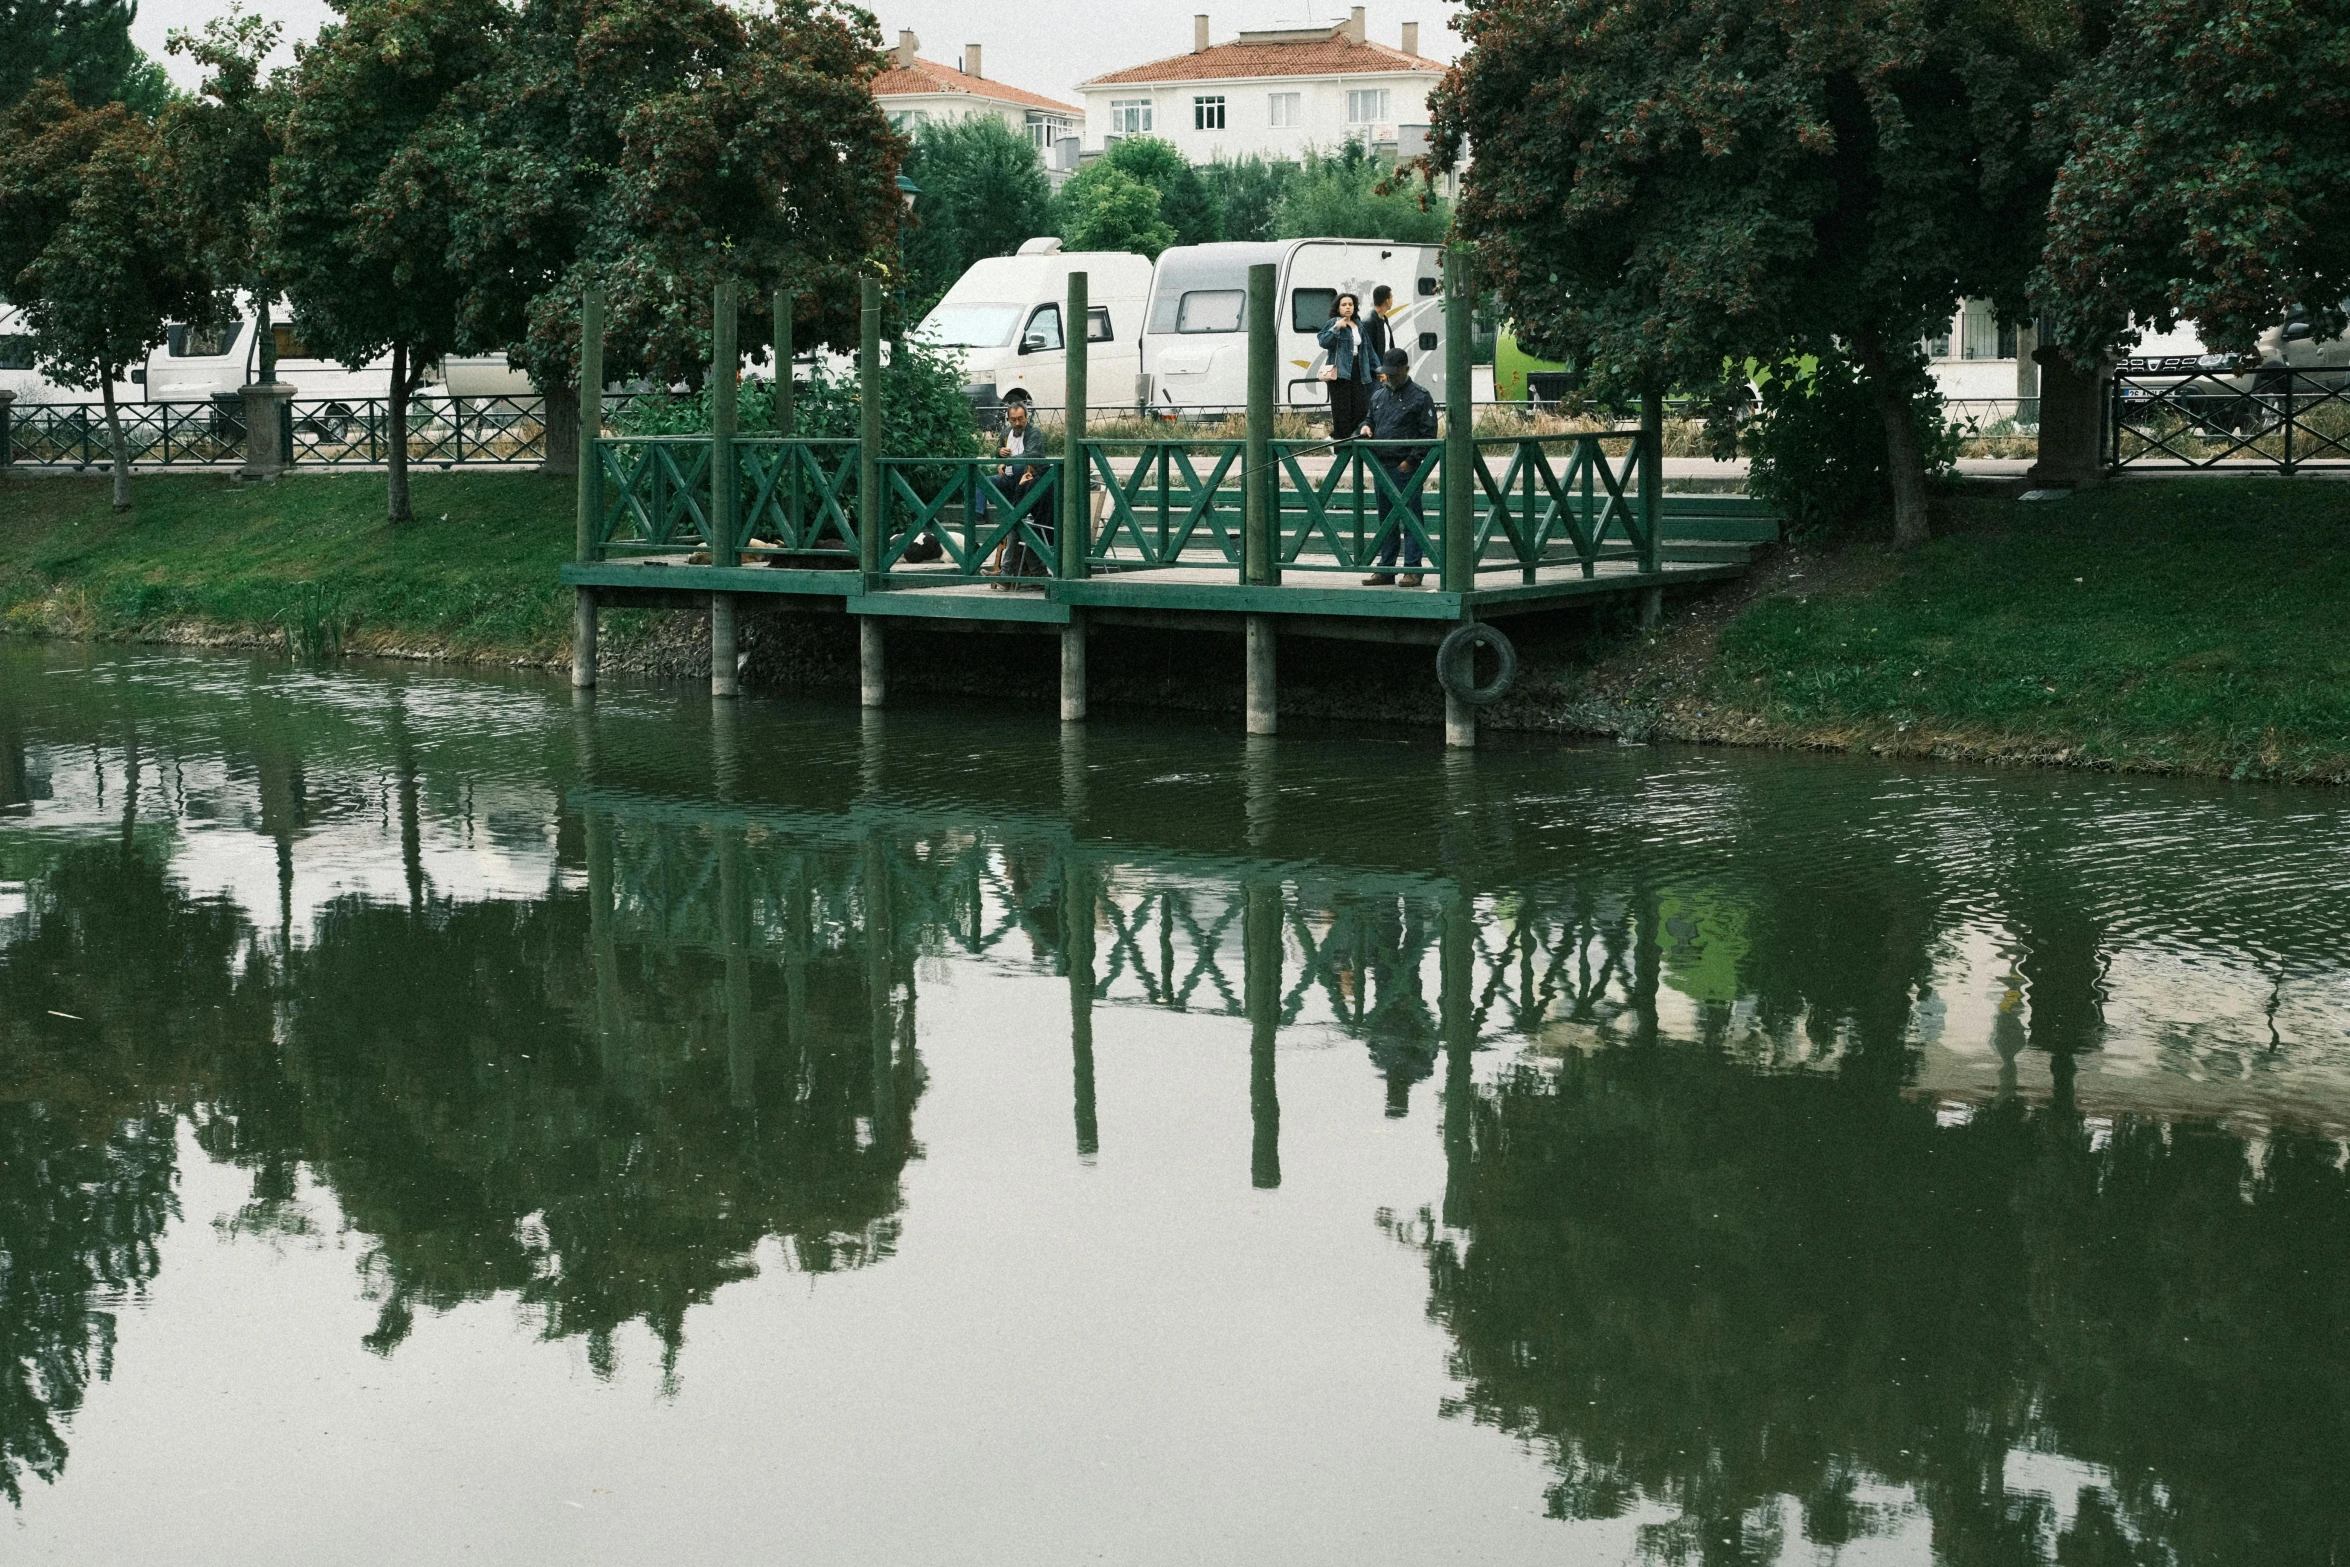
x=971 y=326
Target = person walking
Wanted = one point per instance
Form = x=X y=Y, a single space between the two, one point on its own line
x=1351 y=367
x=1401 y=410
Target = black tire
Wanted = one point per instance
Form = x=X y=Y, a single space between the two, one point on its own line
x=1456 y=664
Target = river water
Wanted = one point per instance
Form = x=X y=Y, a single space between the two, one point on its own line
x=444 y=1118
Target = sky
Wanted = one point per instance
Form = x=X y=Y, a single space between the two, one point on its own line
x=1045 y=48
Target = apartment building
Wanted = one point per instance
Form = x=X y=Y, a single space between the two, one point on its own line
x=914 y=91
x=1275 y=93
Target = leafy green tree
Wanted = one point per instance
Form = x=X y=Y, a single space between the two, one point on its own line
x=983 y=194
x=1104 y=209
x=91 y=246
x=84 y=43
x=2209 y=146
x=1350 y=194
x=1662 y=189
x=1183 y=198
x=360 y=216
x=1246 y=194
x=655 y=146
x=221 y=143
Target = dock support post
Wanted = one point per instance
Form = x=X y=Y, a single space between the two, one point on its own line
x=1076 y=536
x=1073 y=669
x=723 y=657
x=869 y=508
x=1263 y=706
x=1652 y=608
x=1460 y=724
x=872 y=689
x=1458 y=566
x=1652 y=476
x=583 y=638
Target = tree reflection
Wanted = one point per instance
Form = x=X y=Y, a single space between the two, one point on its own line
x=1786 y=1306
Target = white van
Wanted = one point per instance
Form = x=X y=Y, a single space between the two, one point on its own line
x=193 y=366
x=1195 y=343
x=21 y=373
x=1004 y=315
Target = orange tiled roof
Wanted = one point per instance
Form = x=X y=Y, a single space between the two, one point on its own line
x=925 y=76
x=1336 y=55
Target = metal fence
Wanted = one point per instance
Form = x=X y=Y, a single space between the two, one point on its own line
x=320 y=432
x=2271 y=417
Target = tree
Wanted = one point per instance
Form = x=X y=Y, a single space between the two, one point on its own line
x=983 y=194
x=1246 y=195
x=653 y=147
x=91 y=247
x=1103 y=209
x=359 y=222
x=1665 y=188
x=1351 y=195
x=2208 y=147
x=221 y=143
x=84 y=43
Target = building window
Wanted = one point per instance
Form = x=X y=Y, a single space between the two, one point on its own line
x=1130 y=117
x=1978 y=336
x=1938 y=344
x=1366 y=106
x=1045 y=129
x=907 y=121
x=1207 y=114
x=1288 y=110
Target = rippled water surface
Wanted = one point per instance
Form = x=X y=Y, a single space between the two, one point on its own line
x=440 y=1118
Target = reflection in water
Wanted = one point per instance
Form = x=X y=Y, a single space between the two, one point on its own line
x=1830 y=1156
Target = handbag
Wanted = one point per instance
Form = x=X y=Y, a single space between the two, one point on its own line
x=1330 y=372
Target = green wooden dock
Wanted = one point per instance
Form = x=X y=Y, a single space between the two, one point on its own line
x=1268 y=537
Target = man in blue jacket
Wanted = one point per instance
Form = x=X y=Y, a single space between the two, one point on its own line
x=1401 y=410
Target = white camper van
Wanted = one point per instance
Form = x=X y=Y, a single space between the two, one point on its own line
x=1004 y=315
x=1195 y=343
x=22 y=374
x=193 y=366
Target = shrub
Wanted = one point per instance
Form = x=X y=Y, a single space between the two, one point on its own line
x=1816 y=445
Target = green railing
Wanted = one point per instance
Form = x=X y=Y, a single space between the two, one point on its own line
x=1536 y=502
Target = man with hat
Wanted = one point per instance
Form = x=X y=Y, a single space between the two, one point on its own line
x=1401 y=410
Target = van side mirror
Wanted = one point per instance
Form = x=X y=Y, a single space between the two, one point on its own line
x=1033 y=343
x=2299 y=331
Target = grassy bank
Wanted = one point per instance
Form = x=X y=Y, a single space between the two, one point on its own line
x=199 y=558
x=2191 y=625
x=2198 y=625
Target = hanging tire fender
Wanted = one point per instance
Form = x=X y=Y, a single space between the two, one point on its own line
x=1456 y=663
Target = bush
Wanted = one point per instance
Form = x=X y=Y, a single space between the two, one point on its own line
x=923 y=410
x=1339 y=196
x=1816 y=445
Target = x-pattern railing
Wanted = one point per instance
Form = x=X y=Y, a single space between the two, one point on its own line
x=1372 y=489
x=1153 y=512
x=76 y=433
x=1532 y=506
x=655 y=492
x=1169 y=914
x=798 y=497
x=2286 y=418
x=975 y=507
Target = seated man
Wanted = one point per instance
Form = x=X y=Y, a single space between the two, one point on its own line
x=1401 y=410
x=1022 y=440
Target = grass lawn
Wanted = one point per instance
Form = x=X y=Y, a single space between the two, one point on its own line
x=2195 y=623
x=473 y=575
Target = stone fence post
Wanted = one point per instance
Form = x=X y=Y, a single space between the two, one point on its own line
x=265 y=429
x=7 y=432
x=2072 y=421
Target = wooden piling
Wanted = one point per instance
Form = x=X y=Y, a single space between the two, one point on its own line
x=588 y=522
x=1263 y=687
x=869 y=508
x=1459 y=565
x=872 y=688
x=1260 y=497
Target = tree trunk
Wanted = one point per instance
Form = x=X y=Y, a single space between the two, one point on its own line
x=562 y=426
x=398 y=453
x=1905 y=462
x=117 y=441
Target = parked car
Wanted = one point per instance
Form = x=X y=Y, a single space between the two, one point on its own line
x=1195 y=342
x=1004 y=317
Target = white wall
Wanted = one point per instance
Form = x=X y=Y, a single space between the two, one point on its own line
x=1248 y=126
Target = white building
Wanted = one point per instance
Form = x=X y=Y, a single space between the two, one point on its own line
x=1276 y=93
x=914 y=91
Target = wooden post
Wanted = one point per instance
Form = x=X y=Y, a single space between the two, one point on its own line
x=1652 y=474
x=1076 y=514
x=784 y=352
x=1459 y=566
x=1460 y=724
x=1263 y=686
x=725 y=653
x=1073 y=668
x=1260 y=954
x=588 y=525
x=869 y=507
x=1260 y=560
x=725 y=383
x=872 y=688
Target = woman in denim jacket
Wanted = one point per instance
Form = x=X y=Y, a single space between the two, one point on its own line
x=1351 y=360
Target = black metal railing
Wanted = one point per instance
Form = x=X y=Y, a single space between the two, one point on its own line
x=322 y=431
x=2183 y=415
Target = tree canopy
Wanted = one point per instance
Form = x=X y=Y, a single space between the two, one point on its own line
x=1663 y=189
x=85 y=44
x=1350 y=194
x=2207 y=155
x=983 y=194
x=1105 y=208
